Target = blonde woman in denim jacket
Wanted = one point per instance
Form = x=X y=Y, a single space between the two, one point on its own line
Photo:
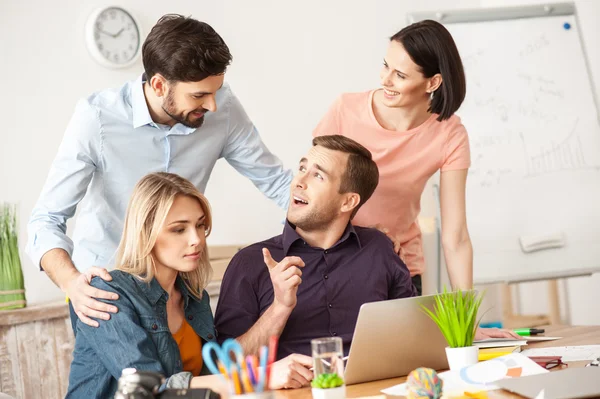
x=164 y=315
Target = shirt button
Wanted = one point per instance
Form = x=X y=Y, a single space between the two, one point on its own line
x=330 y=305
x=325 y=251
x=154 y=326
x=334 y=333
x=190 y=317
x=210 y=336
x=326 y=277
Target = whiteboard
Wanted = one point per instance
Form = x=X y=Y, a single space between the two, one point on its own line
x=535 y=144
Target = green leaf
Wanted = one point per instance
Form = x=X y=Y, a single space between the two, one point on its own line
x=11 y=275
x=455 y=314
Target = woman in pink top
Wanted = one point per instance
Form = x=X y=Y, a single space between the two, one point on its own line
x=410 y=127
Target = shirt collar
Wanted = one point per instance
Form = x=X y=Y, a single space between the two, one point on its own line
x=141 y=114
x=290 y=236
x=154 y=291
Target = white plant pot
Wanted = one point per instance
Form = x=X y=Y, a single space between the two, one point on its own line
x=462 y=357
x=329 y=393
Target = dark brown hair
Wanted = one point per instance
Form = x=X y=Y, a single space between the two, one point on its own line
x=361 y=175
x=431 y=47
x=183 y=49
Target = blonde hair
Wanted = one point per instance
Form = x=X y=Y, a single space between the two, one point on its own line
x=148 y=207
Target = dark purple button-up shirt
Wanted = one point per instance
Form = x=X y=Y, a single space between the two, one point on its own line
x=361 y=267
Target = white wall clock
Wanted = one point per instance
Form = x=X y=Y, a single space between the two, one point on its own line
x=113 y=37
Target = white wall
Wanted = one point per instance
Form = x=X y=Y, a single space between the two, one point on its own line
x=291 y=59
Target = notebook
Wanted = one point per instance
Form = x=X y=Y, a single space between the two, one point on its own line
x=499 y=343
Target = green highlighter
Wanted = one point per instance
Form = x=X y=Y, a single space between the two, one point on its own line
x=529 y=331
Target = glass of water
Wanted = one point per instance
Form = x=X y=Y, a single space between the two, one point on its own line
x=327 y=354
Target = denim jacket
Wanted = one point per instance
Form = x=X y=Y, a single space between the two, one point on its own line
x=136 y=336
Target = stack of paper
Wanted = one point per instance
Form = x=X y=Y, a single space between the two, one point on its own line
x=495 y=347
x=499 y=342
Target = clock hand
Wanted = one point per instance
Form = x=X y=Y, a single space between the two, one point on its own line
x=110 y=34
x=106 y=33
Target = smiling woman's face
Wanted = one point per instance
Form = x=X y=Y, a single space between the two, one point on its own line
x=402 y=80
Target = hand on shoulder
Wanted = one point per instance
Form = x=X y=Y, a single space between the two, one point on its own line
x=83 y=296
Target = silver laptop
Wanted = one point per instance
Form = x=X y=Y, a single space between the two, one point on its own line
x=392 y=338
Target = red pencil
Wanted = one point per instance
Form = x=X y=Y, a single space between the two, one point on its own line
x=272 y=356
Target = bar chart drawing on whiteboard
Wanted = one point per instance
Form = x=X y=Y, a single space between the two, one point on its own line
x=556 y=157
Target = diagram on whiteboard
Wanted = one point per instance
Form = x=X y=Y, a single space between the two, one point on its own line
x=513 y=155
x=557 y=157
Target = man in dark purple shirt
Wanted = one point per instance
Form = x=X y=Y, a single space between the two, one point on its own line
x=319 y=271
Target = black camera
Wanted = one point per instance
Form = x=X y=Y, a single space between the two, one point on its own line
x=134 y=384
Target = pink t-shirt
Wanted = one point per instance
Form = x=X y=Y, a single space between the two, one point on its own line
x=406 y=160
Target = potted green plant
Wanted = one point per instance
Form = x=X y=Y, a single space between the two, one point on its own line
x=12 y=288
x=328 y=386
x=455 y=314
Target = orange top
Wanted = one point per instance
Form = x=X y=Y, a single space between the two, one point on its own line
x=190 y=348
x=406 y=160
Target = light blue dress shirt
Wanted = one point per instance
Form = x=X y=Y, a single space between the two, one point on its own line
x=111 y=142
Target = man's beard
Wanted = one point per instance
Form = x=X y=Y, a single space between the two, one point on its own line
x=170 y=109
x=315 y=220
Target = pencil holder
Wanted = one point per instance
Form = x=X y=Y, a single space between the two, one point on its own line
x=328 y=381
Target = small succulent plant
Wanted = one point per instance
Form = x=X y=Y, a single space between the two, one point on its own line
x=324 y=381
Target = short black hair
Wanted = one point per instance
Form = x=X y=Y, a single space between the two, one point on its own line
x=183 y=49
x=431 y=47
x=361 y=175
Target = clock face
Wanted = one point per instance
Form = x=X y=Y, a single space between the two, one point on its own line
x=115 y=36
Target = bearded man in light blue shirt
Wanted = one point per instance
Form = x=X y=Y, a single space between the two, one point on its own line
x=178 y=117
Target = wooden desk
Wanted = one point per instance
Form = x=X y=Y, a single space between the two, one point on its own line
x=584 y=335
